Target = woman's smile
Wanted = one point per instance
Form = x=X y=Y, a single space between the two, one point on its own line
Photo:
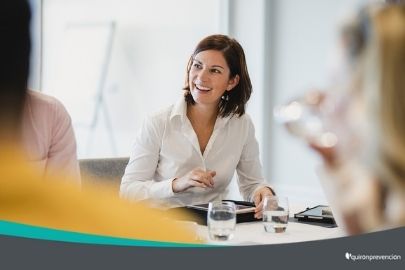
x=202 y=88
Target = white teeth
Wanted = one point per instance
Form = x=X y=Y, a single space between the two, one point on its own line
x=200 y=87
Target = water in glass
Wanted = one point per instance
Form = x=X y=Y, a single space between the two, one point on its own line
x=221 y=221
x=275 y=221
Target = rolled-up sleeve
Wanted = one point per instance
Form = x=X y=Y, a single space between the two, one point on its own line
x=138 y=181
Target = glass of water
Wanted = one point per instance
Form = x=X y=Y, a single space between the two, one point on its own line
x=221 y=220
x=275 y=214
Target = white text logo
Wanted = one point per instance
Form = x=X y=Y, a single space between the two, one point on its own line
x=373 y=257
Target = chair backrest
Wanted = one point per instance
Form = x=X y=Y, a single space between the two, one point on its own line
x=103 y=170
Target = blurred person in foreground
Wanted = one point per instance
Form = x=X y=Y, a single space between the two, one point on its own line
x=364 y=172
x=24 y=196
x=48 y=137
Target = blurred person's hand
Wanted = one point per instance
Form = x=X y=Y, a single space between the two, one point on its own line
x=328 y=154
x=305 y=116
x=195 y=178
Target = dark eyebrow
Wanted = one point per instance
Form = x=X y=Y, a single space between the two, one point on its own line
x=217 y=66
x=214 y=66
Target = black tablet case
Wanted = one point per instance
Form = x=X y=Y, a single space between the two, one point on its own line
x=200 y=215
x=309 y=215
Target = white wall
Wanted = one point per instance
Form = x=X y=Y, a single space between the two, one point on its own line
x=34 y=81
x=151 y=47
x=288 y=45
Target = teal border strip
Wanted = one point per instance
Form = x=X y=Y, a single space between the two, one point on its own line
x=35 y=232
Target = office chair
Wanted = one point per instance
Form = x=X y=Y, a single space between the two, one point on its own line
x=103 y=171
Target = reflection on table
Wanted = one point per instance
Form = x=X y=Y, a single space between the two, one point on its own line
x=253 y=233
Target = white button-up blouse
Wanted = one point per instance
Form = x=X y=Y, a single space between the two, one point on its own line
x=167 y=147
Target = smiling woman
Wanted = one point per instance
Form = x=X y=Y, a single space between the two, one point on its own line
x=223 y=56
x=209 y=78
x=188 y=153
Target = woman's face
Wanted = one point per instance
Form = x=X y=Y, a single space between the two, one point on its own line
x=209 y=77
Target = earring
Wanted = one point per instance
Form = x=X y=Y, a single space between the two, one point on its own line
x=225 y=97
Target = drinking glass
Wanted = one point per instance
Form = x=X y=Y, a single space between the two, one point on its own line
x=275 y=214
x=221 y=219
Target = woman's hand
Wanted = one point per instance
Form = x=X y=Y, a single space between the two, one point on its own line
x=195 y=178
x=258 y=198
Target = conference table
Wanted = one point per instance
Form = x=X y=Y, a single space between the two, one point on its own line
x=253 y=233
